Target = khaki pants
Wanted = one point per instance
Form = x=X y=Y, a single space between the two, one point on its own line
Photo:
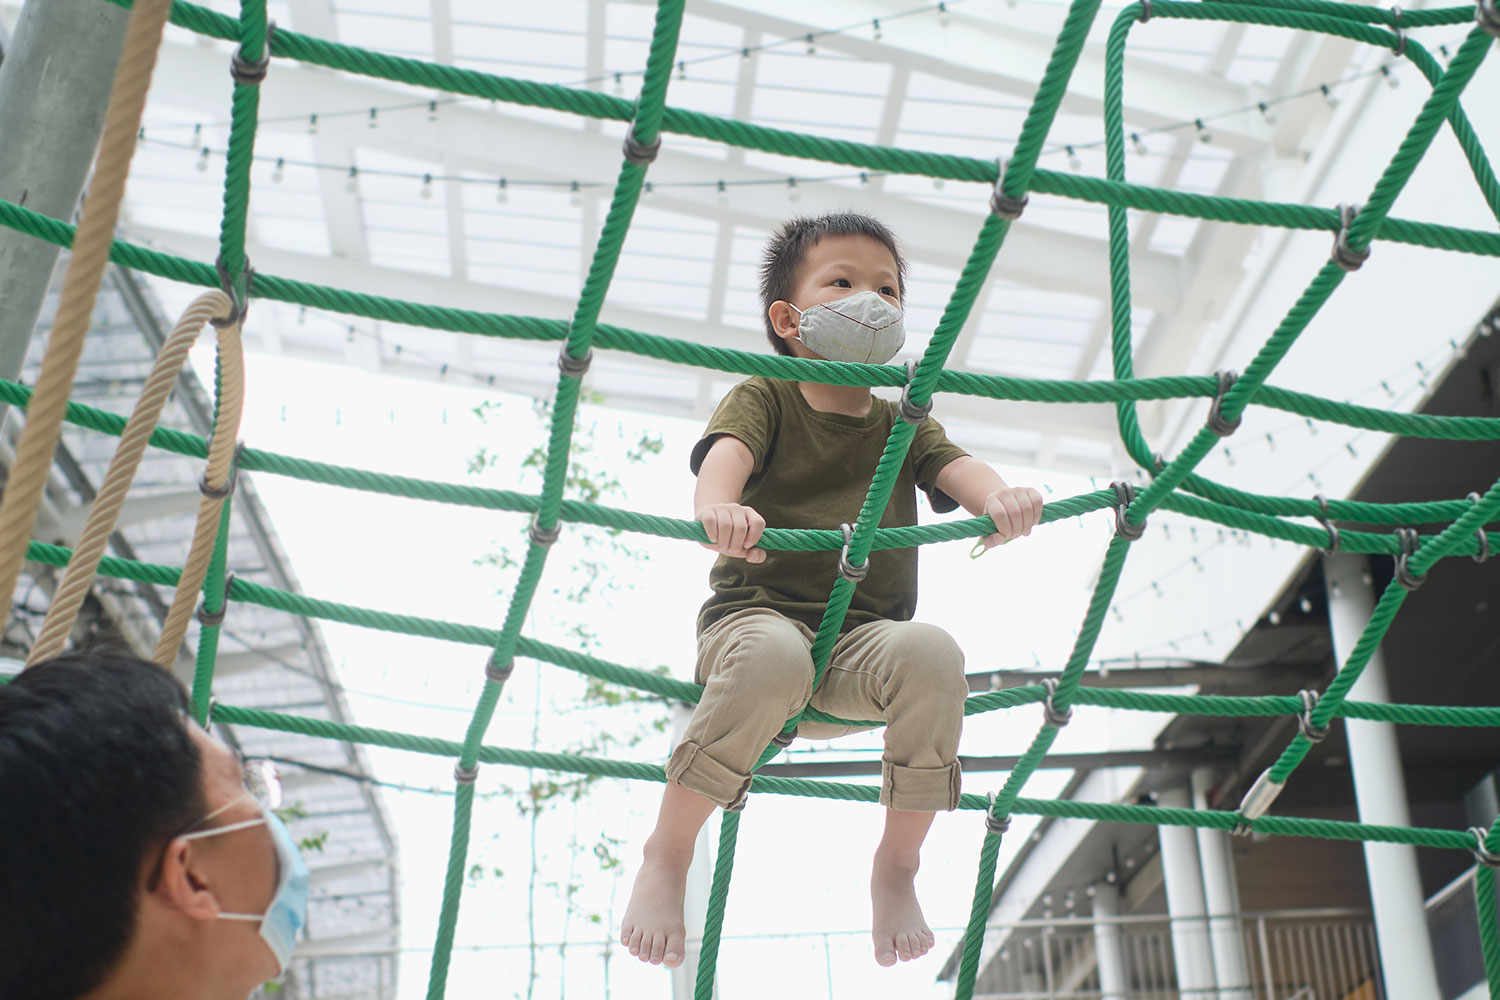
x=757 y=673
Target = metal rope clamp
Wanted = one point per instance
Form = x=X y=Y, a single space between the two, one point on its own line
x=250 y=73
x=1003 y=204
x=574 y=367
x=1054 y=718
x=638 y=152
x=998 y=825
x=1334 y=541
x=227 y=490
x=1124 y=497
x=1344 y=255
x=1310 y=732
x=1216 y=421
x=238 y=307
x=848 y=570
x=1145 y=14
x=540 y=537
x=215 y=618
x=498 y=673
x=784 y=740
x=1481 y=534
x=465 y=776
x=1487 y=14
x=910 y=412
x=1400 y=47
x=1482 y=853
x=1410 y=541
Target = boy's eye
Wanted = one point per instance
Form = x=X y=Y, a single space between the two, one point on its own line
x=842 y=282
x=887 y=290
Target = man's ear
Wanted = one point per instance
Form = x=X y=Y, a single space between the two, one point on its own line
x=185 y=884
x=783 y=319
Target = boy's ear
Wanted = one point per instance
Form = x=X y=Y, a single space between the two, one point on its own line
x=783 y=319
x=185 y=884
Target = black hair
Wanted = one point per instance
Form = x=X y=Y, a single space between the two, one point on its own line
x=98 y=771
x=781 y=262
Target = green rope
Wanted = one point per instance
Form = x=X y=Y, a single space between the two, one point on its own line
x=214 y=604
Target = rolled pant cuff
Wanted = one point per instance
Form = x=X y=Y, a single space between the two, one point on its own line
x=920 y=789
x=692 y=768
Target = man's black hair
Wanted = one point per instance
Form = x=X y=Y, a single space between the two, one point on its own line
x=781 y=263
x=97 y=772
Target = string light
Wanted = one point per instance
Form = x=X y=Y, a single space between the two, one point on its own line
x=1391 y=79
x=575 y=198
x=279 y=171
x=1266 y=112
x=374 y=118
x=682 y=69
x=312 y=124
x=812 y=47
x=1073 y=159
x=1138 y=144
x=723 y=194
x=875 y=24
x=1328 y=95
x=501 y=195
x=792 y=194
x=937 y=183
x=942 y=14
x=619 y=85
x=351 y=183
x=202 y=164
x=432 y=111
x=1204 y=135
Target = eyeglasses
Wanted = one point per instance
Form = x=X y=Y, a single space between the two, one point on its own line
x=262 y=781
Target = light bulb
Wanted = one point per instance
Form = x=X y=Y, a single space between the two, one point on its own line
x=619 y=85
x=812 y=48
x=1328 y=95
x=312 y=124
x=1267 y=113
x=864 y=178
x=1138 y=144
x=1204 y=135
x=202 y=163
x=682 y=69
x=576 y=198
x=875 y=24
x=1391 y=79
x=279 y=171
x=374 y=118
x=650 y=190
x=723 y=194
x=792 y=194
x=1073 y=159
x=351 y=183
x=426 y=185
x=942 y=13
x=432 y=111
x=937 y=183
x=501 y=195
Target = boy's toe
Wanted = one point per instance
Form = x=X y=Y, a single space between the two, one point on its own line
x=885 y=956
x=658 y=948
x=676 y=946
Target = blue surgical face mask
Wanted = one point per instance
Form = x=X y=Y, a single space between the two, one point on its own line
x=287 y=911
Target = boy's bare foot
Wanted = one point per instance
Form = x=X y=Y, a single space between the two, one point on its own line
x=653 y=928
x=900 y=930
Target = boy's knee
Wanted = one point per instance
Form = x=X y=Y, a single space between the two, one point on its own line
x=771 y=661
x=929 y=656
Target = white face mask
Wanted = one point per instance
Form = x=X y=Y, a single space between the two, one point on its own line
x=860 y=327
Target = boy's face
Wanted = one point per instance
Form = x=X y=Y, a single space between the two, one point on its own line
x=836 y=267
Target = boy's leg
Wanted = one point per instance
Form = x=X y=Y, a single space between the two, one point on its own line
x=911 y=675
x=756 y=673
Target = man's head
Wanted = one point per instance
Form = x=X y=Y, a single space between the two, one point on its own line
x=101 y=772
x=809 y=261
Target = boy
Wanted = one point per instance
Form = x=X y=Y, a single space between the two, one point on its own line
x=801 y=454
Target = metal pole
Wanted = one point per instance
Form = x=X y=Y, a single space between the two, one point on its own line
x=1380 y=790
x=699 y=882
x=1112 y=982
x=1183 y=874
x=54 y=90
x=1265 y=959
x=1221 y=895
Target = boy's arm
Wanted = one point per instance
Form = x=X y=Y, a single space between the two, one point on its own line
x=979 y=488
x=733 y=529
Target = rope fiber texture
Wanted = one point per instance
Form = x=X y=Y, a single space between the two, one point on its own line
x=1456 y=527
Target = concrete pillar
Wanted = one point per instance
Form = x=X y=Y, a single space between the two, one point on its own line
x=54 y=90
x=1108 y=950
x=1183 y=875
x=699 y=884
x=1380 y=790
x=1221 y=895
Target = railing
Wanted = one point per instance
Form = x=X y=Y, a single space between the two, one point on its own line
x=1453 y=922
x=1289 y=955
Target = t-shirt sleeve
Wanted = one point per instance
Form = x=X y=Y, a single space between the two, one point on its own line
x=747 y=412
x=930 y=453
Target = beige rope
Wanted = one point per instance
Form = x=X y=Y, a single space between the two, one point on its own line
x=221 y=449
x=105 y=512
x=101 y=209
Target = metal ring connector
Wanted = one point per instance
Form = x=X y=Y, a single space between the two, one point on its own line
x=638 y=152
x=1241 y=829
x=498 y=672
x=465 y=776
x=998 y=825
x=1312 y=733
x=227 y=490
x=247 y=72
x=1487 y=15
x=1003 y=204
x=1054 y=718
x=1145 y=12
x=848 y=570
x=784 y=740
x=1409 y=540
x=574 y=367
x=1344 y=255
x=238 y=307
x=1216 y=421
x=1484 y=536
x=910 y=412
x=1482 y=853
x=540 y=537
x=1334 y=541
x=206 y=617
x=1124 y=497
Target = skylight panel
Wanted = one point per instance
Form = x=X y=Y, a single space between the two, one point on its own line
x=393 y=32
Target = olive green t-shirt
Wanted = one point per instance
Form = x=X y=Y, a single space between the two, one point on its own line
x=812 y=470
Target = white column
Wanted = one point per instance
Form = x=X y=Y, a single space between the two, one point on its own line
x=699 y=884
x=1380 y=790
x=1221 y=895
x=1107 y=949
x=1183 y=874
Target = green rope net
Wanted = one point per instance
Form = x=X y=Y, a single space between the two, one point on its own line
x=1174 y=485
